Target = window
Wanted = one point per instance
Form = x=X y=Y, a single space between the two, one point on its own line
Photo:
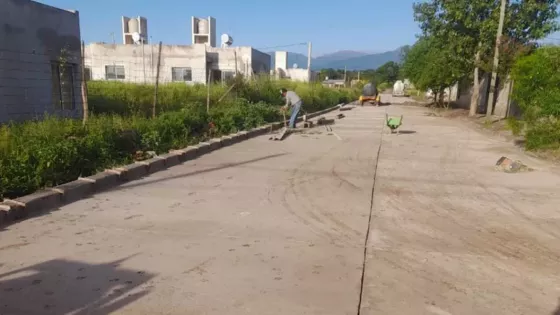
x=181 y=74
x=114 y=72
x=63 y=85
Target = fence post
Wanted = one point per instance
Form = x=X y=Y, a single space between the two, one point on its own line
x=85 y=105
x=157 y=82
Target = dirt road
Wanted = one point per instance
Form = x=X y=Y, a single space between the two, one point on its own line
x=267 y=227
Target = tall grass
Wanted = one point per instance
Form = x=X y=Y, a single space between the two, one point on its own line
x=53 y=151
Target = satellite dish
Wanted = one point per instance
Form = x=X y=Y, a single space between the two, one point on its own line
x=136 y=37
x=295 y=66
x=226 y=40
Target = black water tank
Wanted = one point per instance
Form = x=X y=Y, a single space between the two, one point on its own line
x=369 y=89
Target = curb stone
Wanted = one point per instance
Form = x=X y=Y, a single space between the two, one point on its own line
x=171 y=159
x=215 y=144
x=104 y=180
x=154 y=164
x=74 y=190
x=51 y=198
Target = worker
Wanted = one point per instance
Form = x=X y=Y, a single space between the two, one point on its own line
x=293 y=100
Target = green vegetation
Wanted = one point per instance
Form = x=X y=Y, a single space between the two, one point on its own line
x=53 y=151
x=458 y=43
x=537 y=90
x=385 y=75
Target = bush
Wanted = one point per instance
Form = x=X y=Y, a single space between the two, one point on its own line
x=537 y=90
x=54 y=151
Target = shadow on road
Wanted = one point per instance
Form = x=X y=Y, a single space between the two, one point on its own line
x=212 y=169
x=64 y=286
x=407 y=132
x=557 y=312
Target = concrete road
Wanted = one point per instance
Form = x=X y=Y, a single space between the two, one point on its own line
x=267 y=227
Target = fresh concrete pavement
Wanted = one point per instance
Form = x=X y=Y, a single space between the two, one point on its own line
x=268 y=227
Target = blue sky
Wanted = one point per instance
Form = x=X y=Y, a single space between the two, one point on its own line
x=364 y=25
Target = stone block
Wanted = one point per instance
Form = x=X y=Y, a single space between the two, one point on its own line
x=4 y=209
x=134 y=171
x=243 y=135
x=191 y=152
x=255 y=132
x=75 y=190
x=103 y=180
x=227 y=141
x=39 y=201
x=215 y=144
x=171 y=159
x=203 y=147
x=11 y=211
x=154 y=165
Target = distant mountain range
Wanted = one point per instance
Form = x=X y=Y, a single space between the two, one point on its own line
x=352 y=60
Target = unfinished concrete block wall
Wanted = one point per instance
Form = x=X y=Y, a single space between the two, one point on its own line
x=40 y=56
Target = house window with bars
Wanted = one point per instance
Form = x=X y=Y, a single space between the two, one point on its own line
x=114 y=72
x=181 y=74
x=63 y=85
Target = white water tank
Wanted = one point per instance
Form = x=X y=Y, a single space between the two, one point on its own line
x=203 y=26
x=398 y=88
x=133 y=26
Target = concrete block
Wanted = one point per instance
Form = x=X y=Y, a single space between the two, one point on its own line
x=203 y=147
x=134 y=171
x=4 y=209
x=39 y=201
x=252 y=133
x=191 y=153
x=215 y=144
x=103 y=180
x=171 y=159
x=227 y=141
x=279 y=125
x=154 y=165
x=11 y=211
x=244 y=135
x=188 y=153
x=74 y=191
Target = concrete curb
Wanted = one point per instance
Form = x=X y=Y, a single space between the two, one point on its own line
x=21 y=208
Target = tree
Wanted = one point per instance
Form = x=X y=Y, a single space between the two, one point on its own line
x=468 y=27
x=389 y=72
x=430 y=64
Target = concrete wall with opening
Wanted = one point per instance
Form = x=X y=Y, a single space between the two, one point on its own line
x=40 y=56
x=179 y=63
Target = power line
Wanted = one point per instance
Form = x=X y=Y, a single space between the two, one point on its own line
x=282 y=46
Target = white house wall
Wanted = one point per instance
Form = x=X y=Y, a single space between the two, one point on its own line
x=130 y=56
x=197 y=57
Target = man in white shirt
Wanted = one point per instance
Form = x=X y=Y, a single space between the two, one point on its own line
x=293 y=100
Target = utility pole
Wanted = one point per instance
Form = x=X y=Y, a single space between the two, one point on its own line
x=309 y=61
x=344 y=75
x=490 y=100
x=113 y=36
x=359 y=75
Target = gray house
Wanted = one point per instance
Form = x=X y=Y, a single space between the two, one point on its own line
x=40 y=56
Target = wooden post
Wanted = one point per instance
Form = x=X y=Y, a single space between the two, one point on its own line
x=157 y=82
x=208 y=91
x=85 y=106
